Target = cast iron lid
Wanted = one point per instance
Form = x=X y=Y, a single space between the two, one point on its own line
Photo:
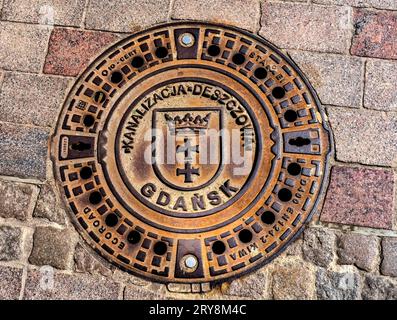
x=191 y=153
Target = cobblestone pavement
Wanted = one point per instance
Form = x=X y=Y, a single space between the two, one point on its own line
x=348 y=50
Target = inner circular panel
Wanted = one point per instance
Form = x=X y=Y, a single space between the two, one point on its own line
x=191 y=153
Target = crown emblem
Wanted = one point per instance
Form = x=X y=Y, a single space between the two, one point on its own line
x=187 y=123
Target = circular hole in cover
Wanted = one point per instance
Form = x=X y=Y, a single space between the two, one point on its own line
x=245 y=236
x=294 y=169
x=116 y=77
x=278 y=92
x=290 y=115
x=285 y=194
x=238 y=58
x=134 y=237
x=213 y=50
x=137 y=62
x=85 y=172
x=268 y=217
x=99 y=96
x=95 y=197
x=260 y=73
x=218 y=247
x=161 y=52
x=111 y=219
x=88 y=120
x=160 y=248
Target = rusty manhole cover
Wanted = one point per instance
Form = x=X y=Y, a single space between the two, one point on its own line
x=191 y=153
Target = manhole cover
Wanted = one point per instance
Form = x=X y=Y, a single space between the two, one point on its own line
x=191 y=153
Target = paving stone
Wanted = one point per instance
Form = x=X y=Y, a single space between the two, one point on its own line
x=338 y=80
x=86 y=262
x=23 y=151
x=294 y=248
x=45 y=285
x=360 y=197
x=53 y=247
x=251 y=286
x=17 y=200
x=359 y=250
x=292 y=281
x=319 y=246
x=49 y=12
x=121 y=276
x=10 y=283
x=302 y=26
x=365 y=136
x=125 y=15
x=32 y=99
x=378 y=288
x=389 y=253
x=375 y=34
x=379 y=4
x=49 y=206
x=10 y=243
x=337 y=286
x=142 y=293
x=70 y=51
x=244 y=14
x=380 y=86
x=23 y=46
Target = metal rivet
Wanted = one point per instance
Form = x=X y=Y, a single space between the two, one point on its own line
x=186 y=39
x=189 y=263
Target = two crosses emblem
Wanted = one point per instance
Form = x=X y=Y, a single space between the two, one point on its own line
x=190 y=127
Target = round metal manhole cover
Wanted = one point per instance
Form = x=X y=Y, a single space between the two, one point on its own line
x=191 y=153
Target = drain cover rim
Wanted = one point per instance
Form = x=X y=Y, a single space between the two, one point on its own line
x=325 y=172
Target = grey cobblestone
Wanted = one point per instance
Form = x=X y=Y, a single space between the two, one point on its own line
x=43 y=286
x=10 y=283
x=319 y=246
x=292 y=281
x=16 y=142
x=21 y=208
x=86 y=262
x=10 y=243
x=125 y=15
x=68 y=13
x=48 y=206
x=338 y=80
x=252 y=286
x=359 y=250
x=367 y=137
x=32 y=99
x=241 y=13
x=132 y=292
x=380 y=86
x=389 y=257
x=378 y=288
x=295 y=248
x=303 y=27
x=52 y=247
x=28 y=52
x=337 y=286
